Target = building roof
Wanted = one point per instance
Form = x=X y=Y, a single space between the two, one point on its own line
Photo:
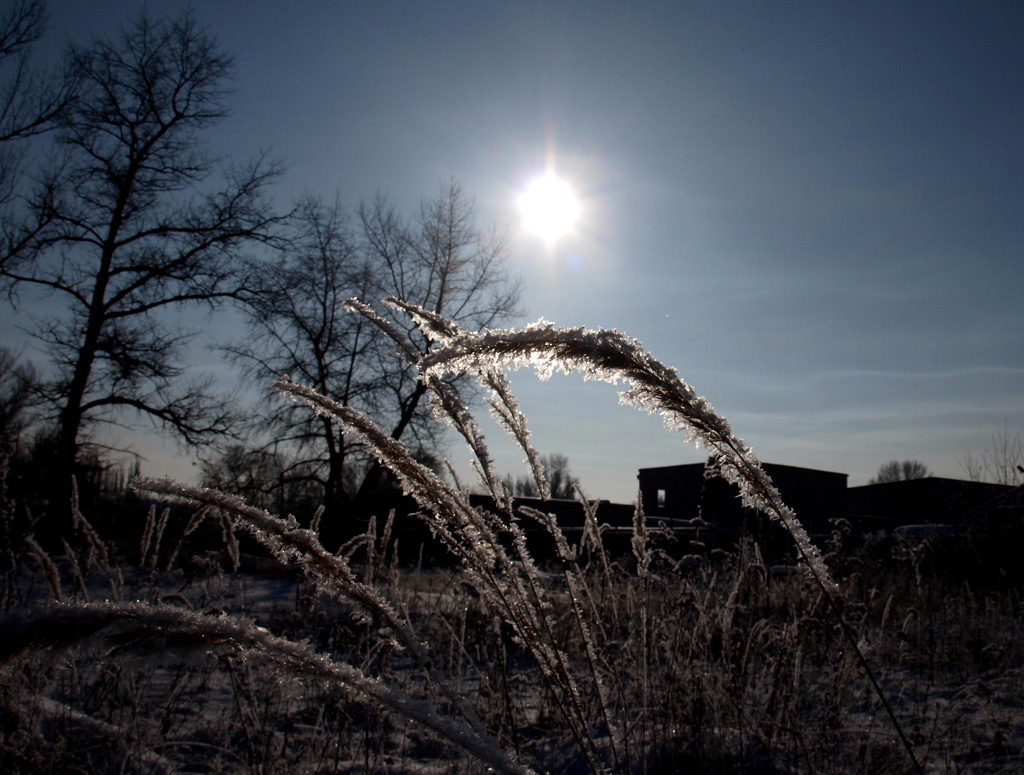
x=766 y=466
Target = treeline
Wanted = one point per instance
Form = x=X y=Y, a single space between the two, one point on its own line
x=117 y=215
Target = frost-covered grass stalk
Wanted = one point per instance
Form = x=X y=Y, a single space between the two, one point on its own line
x=123 y=626
x=602 y=355
x=652 y=387
x=609 y=651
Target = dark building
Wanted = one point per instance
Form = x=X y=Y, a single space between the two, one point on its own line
x=930 y=501
x=672 y=496
x=680 y=493
x=973 y=529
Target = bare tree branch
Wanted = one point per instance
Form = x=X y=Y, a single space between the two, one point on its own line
x=132 y=223
x=299 y=326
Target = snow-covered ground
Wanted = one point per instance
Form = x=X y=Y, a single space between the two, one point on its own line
x=719 y=669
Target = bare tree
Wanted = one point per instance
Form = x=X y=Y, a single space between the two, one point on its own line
x=17 y=381
x=560 y=481
x=261 y=477
x=139 y=230
x=445 y=264
x=31 y=102
x=298 y=326
x=1002 y=462
x=896 y=471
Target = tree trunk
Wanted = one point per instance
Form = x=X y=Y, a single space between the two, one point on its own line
x=71 y=414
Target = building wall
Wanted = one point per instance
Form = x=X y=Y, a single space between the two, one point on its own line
x=673 y=492
x=932 y=500
x=681 y=493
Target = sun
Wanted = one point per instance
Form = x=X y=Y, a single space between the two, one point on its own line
x=549 y=207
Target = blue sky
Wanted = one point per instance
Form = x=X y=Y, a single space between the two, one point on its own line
x=815 y=211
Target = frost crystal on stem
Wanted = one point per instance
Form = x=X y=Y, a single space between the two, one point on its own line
x=609 y=356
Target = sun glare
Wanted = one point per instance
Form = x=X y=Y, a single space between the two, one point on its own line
x=549 y=207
